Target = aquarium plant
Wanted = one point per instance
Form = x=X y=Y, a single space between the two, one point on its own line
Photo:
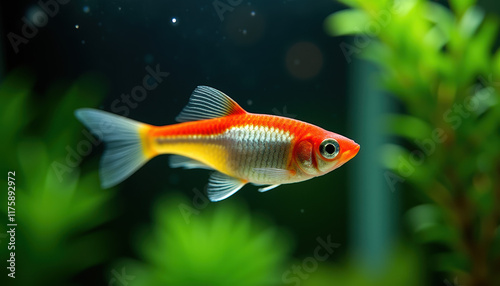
x=56 y=209
x=220 y=244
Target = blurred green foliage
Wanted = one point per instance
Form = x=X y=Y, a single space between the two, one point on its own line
x=222 y=244
x=57 y=213
x=441 y=64
x=404 y=267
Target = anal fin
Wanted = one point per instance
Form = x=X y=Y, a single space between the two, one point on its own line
x=177 y=161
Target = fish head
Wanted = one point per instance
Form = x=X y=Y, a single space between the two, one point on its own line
x=318 y=154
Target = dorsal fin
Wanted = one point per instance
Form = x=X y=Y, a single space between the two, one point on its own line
x=207 y=103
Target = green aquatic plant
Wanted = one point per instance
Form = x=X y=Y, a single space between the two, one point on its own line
x=441 y=64
x=222 y=244
x=404 y=267
x=57 y=209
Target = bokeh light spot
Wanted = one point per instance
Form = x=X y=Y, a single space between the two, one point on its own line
x=304 y=60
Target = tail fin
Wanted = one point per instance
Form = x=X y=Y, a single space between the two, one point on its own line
x=123 y=137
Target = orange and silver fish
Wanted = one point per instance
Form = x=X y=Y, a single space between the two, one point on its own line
x=216 y=133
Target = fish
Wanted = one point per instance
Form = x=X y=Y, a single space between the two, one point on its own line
x=217 y=134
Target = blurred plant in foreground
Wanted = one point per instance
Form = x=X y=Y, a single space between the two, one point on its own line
x=222 y=245
x=56 y=215
x=403 y=268
x=439 y=63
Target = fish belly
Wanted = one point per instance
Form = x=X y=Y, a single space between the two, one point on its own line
x=252 y=148
x=237 y=151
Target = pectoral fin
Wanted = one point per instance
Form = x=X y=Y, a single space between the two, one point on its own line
x=265 y=189
x=221 y=186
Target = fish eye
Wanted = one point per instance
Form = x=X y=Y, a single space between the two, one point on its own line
x=329 y=148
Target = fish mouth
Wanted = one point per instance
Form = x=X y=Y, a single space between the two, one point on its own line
x=356 y=149
x=349 y=154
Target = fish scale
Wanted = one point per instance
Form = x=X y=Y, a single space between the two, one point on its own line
x=256 y=148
